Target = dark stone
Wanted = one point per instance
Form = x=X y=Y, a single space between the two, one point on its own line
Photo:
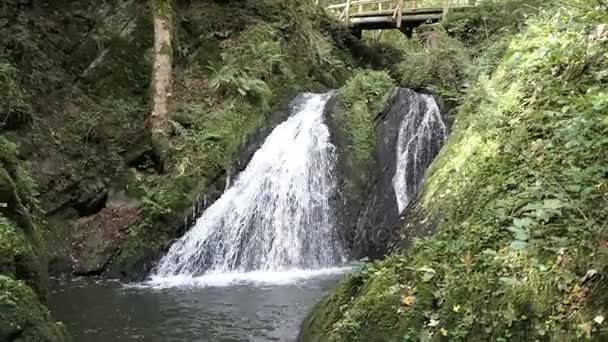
x=99 y=237
x=59 y=266
x=368 y=210
x=92 y=198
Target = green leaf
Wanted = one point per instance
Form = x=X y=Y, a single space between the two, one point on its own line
x=553 y=204
x=519 y=245
x=509 y=281
x=523 y=222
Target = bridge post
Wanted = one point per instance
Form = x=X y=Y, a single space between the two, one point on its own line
x=400 y=14
x=347 y=12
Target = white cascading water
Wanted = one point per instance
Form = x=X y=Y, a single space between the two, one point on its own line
x=421 y=136
x=276 y=217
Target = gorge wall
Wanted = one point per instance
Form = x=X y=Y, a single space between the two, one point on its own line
x=516 y=249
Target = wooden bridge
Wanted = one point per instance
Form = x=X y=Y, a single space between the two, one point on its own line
x=390 y=14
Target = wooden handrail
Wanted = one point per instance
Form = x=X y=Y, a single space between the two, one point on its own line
x=359 y=3
x=347 y=11
x=397 y=8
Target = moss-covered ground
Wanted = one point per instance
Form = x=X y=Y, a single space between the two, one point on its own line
x=518 y=195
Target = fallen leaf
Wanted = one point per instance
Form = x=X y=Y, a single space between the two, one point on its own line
x=599 y=319
x=456 y=308
x=444 y=332
x=408 y=300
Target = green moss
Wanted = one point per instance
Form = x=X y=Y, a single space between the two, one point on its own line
x=23 y=282
x=431 y=59
x=124 y=68
x=22 y=317
x=163 y=8
x=362 y=98
x=13 y=106
x=517 y=253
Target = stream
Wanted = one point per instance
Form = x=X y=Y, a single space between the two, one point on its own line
x=220 y=310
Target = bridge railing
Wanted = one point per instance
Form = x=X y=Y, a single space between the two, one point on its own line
x=347 y=9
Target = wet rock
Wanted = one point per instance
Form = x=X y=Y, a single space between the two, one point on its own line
x=98 y=237
x=369 y=209
x=92 y=198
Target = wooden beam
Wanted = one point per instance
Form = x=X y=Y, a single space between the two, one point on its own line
x=400 y=14
x=446 y=8
x=359 y=2
x=347 y=11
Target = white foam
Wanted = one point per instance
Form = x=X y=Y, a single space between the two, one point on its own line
x=286 y=277
x=277 y=215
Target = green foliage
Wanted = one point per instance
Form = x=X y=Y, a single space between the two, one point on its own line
x=430 y=59
x=22 y=256
x=518 y=195
x=22 y=314
x=12 y=243
x=362 y=98
x=233 y=82
x=478 y=27
x=249 y=64
x=13 y=106
x=434 y=59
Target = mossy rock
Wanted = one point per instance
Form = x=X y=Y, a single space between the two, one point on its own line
x=23 y=318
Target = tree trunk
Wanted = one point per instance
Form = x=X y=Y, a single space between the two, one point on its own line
x=161 y=77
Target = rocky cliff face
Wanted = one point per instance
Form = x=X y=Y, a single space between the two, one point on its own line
x=23 y=257
x=74 y=92
x=370 y=210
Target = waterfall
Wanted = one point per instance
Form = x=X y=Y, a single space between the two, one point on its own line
x=276 y=216
x=421 y=135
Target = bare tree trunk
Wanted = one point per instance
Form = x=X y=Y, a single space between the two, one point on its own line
x=161 y=77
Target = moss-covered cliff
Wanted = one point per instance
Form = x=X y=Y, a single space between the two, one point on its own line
x=517 y=201
x=75 y=80
x=23 y=259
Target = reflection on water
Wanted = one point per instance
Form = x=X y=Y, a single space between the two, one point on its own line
x=109 y=311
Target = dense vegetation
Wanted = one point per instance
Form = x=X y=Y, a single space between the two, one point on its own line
x=518 y=197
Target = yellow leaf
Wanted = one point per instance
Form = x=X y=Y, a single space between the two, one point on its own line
x=599 y=319
x=408 y=300
x=456 y=308
x=444 y=331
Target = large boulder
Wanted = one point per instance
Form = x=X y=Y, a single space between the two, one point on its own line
x=99 y=236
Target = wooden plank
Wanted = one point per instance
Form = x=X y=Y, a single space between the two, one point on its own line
x=446 y=8
x=359 y=2
x=393 y=12
x=382 y=22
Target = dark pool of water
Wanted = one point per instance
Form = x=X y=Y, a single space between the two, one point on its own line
x=111 y=312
